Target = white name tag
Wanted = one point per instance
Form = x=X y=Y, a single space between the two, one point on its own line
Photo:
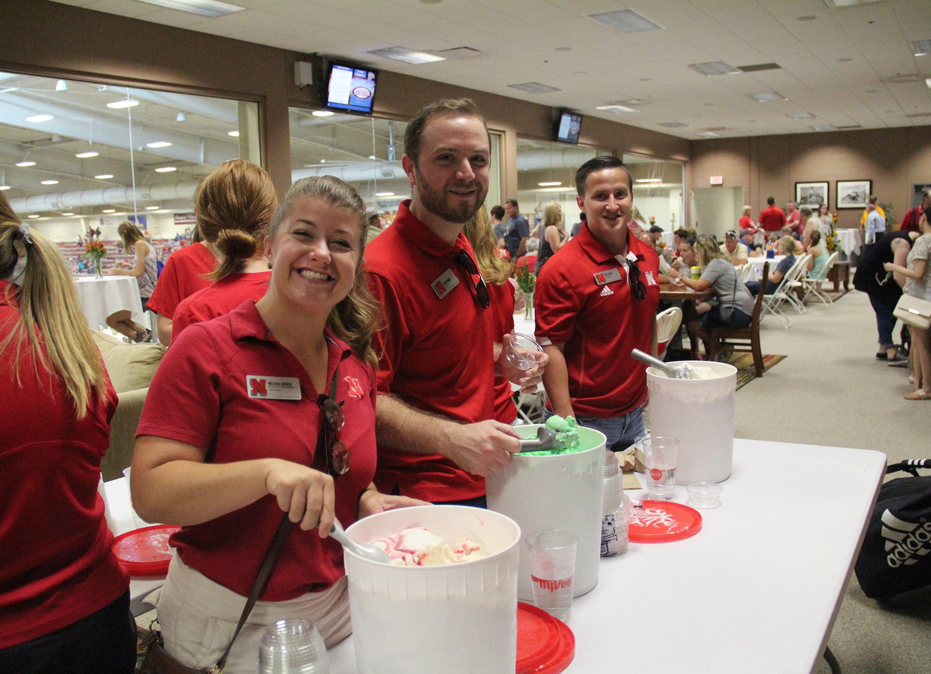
x=605 y=277
x=445 y=283
x=273 y=388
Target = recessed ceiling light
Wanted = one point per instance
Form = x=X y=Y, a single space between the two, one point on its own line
x=384 y=194
x=181 y=117
x=67 y=214
x=158 y=144
x=323 y=113
x=103 y=176
x=4 y=188
x=36 y=119
x=372 y=157
x=125 y=103
x=801 y=115
x=555 y=183
x=151 y=208
x=61 y=85
x=49 y=182
x=648 y=180
x=234 y=134
x=767 y=97
x=624 y=21
x=928 y=82
x=108 y=210
x=24 y=164
x=615 y=108
x=411 y=56
x=323 y=161
x=86 y=155
x=849 y=3
x=709 y=134
x=211 y=8
x=713 y=68
x=921 y=47
x=534 y=88
x=673 y=125
x=33 y=215
x=824 y=127
x=166 y=169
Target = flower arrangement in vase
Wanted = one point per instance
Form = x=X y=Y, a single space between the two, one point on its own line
x=95 y=252
x=527 y=282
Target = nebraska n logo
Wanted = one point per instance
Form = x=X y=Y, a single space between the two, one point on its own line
x=259 y=388
x=905 y=540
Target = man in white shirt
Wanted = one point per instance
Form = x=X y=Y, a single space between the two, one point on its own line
x=735 y=251
x=875 y=224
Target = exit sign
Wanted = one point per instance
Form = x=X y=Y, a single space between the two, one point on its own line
x=717 y=180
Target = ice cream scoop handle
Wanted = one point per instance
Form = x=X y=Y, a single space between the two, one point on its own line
x=637 y=354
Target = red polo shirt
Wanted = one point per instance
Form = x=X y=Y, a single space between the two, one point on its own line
x=437 y=349
x=56 y=563
x=183 y=275
x=772 y=219
x=502 y=318
x=598 y=321
x=200 y=396
x=218 y=299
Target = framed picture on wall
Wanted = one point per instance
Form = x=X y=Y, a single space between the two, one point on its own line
x=811 y=194
x=853 y=193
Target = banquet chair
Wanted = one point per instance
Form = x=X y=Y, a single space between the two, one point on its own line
x=744 y=272
x=667 y=324
x=772 y=303
x=813 y=285
x=718 y=340
x=794 y=290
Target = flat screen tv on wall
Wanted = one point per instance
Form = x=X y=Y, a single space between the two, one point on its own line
x=350 y=88
x=568 y=126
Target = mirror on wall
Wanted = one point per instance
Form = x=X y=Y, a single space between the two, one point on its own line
x=76 y=156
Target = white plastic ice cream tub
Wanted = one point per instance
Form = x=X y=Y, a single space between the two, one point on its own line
x=700 y=414
x=562 y=491
x=455 y=619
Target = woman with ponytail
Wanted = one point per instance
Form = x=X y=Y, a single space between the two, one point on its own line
x=234 y=206
x=64 y=600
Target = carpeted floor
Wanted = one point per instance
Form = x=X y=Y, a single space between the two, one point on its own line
x=746 y=372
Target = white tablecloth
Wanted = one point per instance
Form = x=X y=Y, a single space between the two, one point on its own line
x=850 y=241
x=756 y=263
x=101 y=297
x=667 y=238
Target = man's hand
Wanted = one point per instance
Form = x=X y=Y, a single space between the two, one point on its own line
x=527 y=379
x=482 y=448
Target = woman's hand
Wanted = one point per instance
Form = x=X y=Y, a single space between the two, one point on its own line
x=373 y=501
x=307 y=495
x=888 y=266
x=673 y=273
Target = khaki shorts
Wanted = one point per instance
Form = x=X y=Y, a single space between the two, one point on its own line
x=198 y=618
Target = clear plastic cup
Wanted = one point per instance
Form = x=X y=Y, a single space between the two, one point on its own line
x=292 y=647
x=552 y=569
x=659 y=455
x=705 y=495
x=519 y=353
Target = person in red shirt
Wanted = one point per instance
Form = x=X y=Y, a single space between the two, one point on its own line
x=436 y=436
x=910 y=223
x=64 y=600
x=237 y=201
x=772 y=219
x=184 y=274
x=746 y=221
x=595 y=302
x=235 y=432
x=794 y=219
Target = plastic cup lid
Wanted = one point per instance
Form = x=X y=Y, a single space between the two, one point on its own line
x=145 y=552
x=545 y=645
x=663 y=522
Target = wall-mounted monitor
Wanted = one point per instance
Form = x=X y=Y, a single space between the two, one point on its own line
x=350 y=88
x=568 y=126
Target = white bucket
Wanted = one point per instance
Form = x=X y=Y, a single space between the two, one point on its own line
x=562 y=491
x=700 y=414
x=455 y=619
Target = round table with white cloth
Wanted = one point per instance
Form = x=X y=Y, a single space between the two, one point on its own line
x=850 y=241
x=756 y=264
x=101 y=297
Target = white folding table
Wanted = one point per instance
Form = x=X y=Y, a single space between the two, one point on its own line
x=101 y=297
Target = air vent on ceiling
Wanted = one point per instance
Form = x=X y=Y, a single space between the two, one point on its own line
x=901 y=79
x=713 y=68
x=847 y=3
x=534 y=88
x=801 y=115
x=457 y=53
x=917 y=115
x=921 y=47
x=624 y=21
x=767 y=97
x=387 y=173
x=849 y=127
x=757 y=67
x=672 y=125
x=824 y=127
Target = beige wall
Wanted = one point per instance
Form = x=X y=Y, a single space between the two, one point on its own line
x=894 y=159
x=46 y=38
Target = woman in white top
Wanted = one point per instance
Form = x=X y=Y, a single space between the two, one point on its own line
x=145 y=270
x=827 y=222
x=812 y=224
x=917 y=278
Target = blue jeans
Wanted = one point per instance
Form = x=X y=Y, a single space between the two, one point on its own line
x=620 y=432
x=885 y=321
x=102 y=643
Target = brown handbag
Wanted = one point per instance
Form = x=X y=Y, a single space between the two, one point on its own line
x=158 y=661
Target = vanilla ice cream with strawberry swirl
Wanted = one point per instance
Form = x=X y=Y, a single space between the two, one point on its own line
x=419 y=546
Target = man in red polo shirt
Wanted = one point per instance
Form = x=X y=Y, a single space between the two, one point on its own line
x=595 y=302
x=913 y=215
x=436 y=435
x=772 y=219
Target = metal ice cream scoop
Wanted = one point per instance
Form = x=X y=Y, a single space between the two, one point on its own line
x=545 y=440
x=672 y=370
x=369 y=552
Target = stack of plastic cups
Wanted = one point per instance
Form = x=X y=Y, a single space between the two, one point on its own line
x=614 y=521
x=292 y=647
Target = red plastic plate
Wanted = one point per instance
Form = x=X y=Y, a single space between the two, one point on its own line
x=545 y=645
x=145 y=552
x=663 y=522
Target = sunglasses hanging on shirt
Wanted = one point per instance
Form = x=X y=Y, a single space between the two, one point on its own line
x=637 y=289
x=331 y=455
x=478 y=283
